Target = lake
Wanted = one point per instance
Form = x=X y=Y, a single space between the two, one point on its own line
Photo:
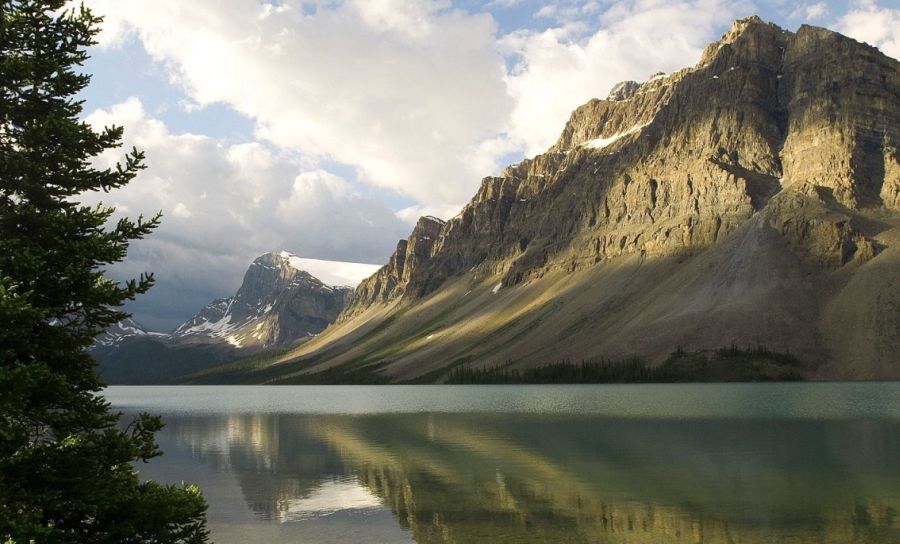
x=712 y=463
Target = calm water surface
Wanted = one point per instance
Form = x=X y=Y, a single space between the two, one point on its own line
x=750 y=463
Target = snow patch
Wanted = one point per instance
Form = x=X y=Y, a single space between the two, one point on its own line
x=215 y=329
x=497 y=288
x=600 y=143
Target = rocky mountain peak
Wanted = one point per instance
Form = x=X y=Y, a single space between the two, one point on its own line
x=269 y=274
x=277 y=302
x=427 y=228
x=751 y=28
x=623 y=90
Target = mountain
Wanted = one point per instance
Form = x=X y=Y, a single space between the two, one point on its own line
x=753 y=199
x=278 y=305
x=123 y=331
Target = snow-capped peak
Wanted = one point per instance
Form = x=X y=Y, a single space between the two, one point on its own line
x=127 y=328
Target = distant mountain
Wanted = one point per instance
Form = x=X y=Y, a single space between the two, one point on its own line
x=278 y=305
x=123 y=331
x=753 y=199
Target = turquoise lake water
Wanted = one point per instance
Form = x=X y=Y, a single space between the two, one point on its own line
x=711 y=463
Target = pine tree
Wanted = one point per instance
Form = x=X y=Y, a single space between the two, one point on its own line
x=66 y=466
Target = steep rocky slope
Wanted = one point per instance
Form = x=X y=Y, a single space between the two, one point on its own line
x=751 y=199
x=278 y=305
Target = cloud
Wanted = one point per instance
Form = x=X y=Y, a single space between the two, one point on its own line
x=334 y=272
x=874 y=25
x=224 y=205
x=816 y=11
x=809 y=12
x=503 y=3
x=546 y=11
x=180 y=210
x=412 y=214
x=566 y=12
x=404 y=91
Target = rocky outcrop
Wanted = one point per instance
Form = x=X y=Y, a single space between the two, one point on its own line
x=393 y=279
x=843 y=118
x=623 y=90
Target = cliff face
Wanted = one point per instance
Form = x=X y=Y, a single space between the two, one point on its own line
x=753 y=198
x=689 y=157
x=393 y=279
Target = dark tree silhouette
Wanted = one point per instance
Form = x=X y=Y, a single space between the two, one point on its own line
x=66 y=467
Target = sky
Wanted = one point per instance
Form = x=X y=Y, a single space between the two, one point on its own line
x=327 y=127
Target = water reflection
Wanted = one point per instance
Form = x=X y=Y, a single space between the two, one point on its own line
x=523 y=478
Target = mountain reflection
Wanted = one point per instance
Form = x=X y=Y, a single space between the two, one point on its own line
x=525 y=478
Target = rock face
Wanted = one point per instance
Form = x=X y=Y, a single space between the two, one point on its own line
x=278 y=305
x=393 y=279
x=751 y=199
x=623 y=90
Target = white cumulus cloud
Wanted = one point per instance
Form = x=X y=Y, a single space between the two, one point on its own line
x=405 y=91
x=875 y=25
